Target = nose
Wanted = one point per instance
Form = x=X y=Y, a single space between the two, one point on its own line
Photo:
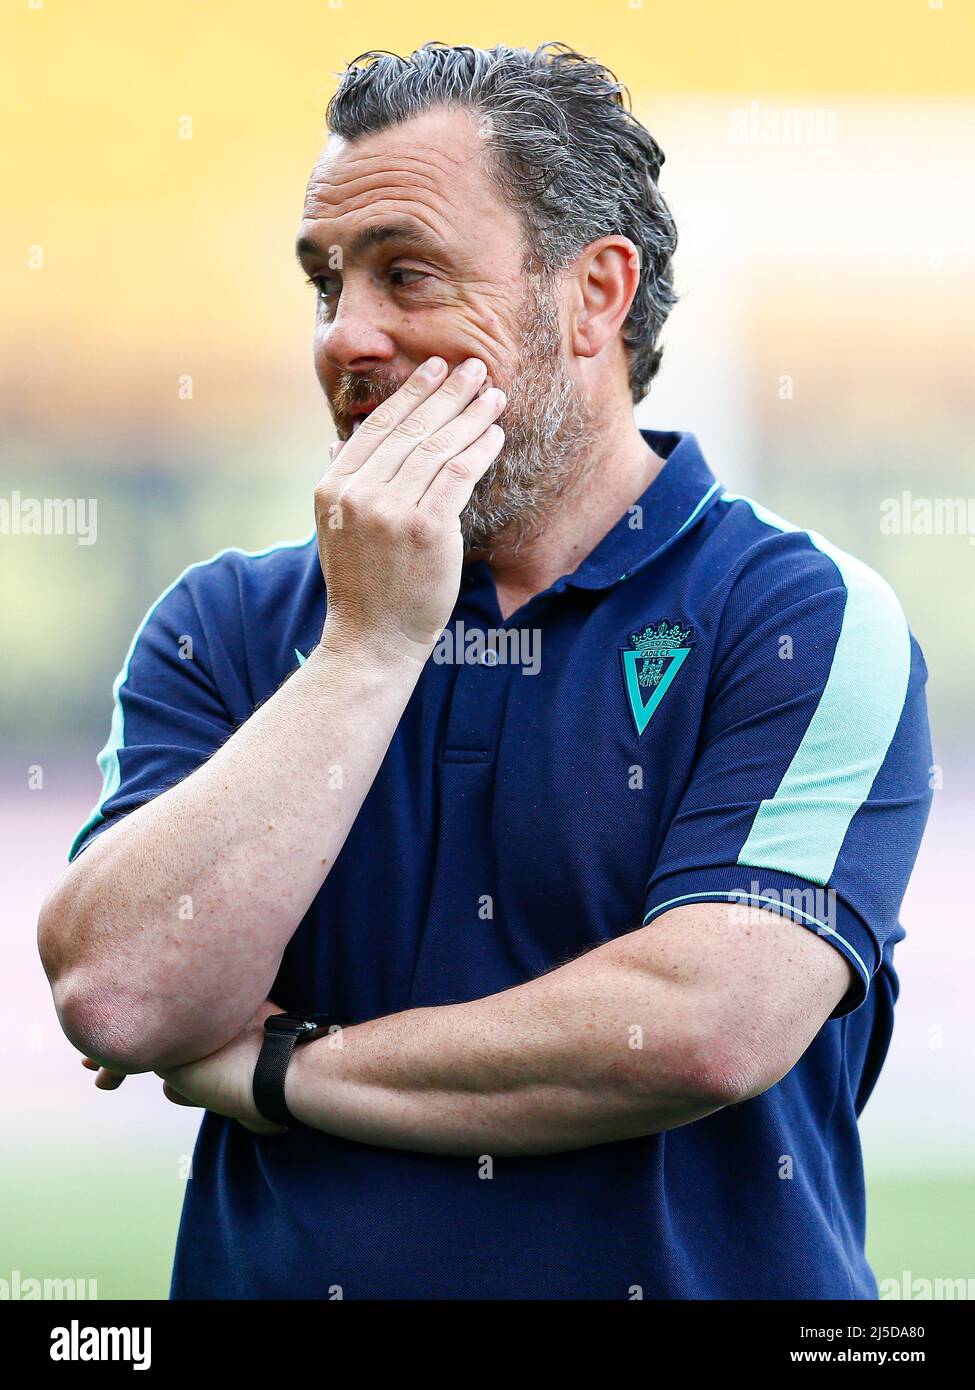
x=355 y=338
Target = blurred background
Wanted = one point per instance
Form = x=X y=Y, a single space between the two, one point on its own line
x=156 y=358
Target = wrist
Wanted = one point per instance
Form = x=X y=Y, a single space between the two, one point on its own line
x=373 y=657
x=312 y=1071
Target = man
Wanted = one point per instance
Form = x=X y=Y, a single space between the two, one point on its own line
x=603 y=901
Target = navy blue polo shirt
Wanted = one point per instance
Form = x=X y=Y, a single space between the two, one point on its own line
x=715 y=706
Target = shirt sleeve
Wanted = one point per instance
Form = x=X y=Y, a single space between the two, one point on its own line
x=811 y=785
x=167 y=718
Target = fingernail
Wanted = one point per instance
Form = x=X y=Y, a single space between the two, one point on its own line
x=433 y=366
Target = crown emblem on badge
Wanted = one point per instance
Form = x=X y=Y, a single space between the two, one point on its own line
x=650 y=663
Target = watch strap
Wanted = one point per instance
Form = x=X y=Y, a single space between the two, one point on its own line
x=269 y=1074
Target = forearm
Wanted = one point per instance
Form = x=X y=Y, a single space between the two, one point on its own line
x=596 y=1051
x=165 y=935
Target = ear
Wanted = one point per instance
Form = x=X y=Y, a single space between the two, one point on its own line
x=607 y=275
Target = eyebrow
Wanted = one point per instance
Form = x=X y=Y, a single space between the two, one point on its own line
x=374 y=236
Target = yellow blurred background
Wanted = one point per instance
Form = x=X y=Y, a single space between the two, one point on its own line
x=156 y=357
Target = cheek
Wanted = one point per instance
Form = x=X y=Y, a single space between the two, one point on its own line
x=454 y=332
x=485 y=334
x=500 y=334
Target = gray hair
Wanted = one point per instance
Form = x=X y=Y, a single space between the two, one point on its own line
x=565 y=150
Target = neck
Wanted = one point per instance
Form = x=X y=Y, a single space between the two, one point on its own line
x=611 y=481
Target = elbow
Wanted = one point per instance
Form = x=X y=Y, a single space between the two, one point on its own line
x=93 y=1016
x=51 y=932
x=724 y=1072
x=102 y=1025
x=64 y=925
x=708 y=1070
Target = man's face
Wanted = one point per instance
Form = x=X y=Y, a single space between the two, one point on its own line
x=414 y=253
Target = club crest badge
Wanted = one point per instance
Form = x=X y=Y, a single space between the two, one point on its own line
x=650 y=663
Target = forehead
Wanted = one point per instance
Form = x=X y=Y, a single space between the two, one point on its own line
x=430 y=170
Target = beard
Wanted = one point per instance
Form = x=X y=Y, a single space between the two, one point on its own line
x=550 y=432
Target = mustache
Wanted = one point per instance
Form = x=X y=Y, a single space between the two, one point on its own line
x=375 y=386
x=353 y=391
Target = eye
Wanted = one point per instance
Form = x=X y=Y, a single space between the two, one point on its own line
x=405 y=270
x=326 y=285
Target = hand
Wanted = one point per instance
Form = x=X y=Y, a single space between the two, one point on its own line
x=222 y=1082
x=388 y=510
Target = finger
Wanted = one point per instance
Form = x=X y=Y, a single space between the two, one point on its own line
x=451 y=488
x=445 y=444
x=381 y=422
x=398 y=444
x=177 y=1097
x=107 y=1080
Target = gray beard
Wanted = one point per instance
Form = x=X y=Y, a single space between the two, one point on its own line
x=549 y=437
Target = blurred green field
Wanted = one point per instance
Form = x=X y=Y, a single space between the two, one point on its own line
x=115 y=1220
x=112 y=1218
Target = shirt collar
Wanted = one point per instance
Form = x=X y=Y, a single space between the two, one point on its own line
x=682 y=491
x=679 y=495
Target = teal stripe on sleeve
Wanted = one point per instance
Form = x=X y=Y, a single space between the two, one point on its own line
x=785 y=909
x=108 y=758
x=801 y=828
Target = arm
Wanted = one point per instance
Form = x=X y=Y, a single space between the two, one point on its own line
x=720 y=1009
x=250 y=836
x=135 y=984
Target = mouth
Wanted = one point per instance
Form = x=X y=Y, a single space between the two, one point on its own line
x=359 y=413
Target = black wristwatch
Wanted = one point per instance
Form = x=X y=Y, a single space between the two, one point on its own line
x=282 y=1033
